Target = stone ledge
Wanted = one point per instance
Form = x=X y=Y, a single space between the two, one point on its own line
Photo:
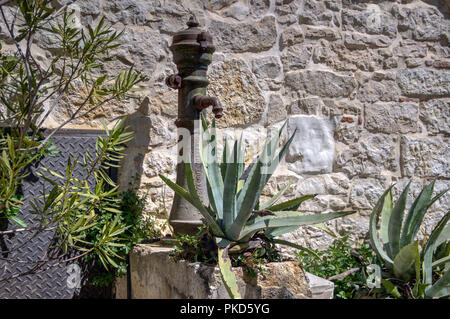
x=154 y=275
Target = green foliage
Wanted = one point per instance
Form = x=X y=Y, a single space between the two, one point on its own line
x=29 y=89
x=419 y=271
x=73 y=204
x=252 y=260
x=232 y=216
x=196 y=248
x=136 y=228
x=338 y=258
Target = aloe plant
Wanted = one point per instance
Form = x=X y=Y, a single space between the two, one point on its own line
x=396 y=245
x=234 y=214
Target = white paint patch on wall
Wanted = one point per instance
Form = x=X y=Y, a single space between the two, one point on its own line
x=312 y=150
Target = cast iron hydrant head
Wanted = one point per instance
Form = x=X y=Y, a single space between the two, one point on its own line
x=192 y=51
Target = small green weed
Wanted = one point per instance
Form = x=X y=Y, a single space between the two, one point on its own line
x=337 y=259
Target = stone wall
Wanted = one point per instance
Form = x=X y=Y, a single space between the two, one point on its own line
x=366 y=83
x=155 y=275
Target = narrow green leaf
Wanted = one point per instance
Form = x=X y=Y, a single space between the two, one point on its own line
x=282 y=219
x=299 y=247
x=275 y=232
x=290 y=204
x=441 y=261
x=228 y=276
x=275 y=197
x=18 y=221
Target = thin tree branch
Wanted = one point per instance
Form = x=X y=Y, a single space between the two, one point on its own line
x=344 y=274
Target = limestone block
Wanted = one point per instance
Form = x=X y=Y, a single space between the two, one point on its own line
x=356 y=224
x=312 y=149
x=369 y=156
x=374 y=91
x=243 y=37
x=128 y=12
x=320 y=32
x=266 y=67
x=443 y=204
x=141 y=48
x=286 y=11
x=392 y=117
x=334 y=5
x=359 y=41
x=158 y=162
x=320 y=288
x=291 y=36
x=411 y=50
x=366 y=192
x=307 y=106
x=435 y=114
x=315 y=13
x=259 y=8
x=236 y=87
x=215 y=5
x=425 y=157
x=321 y=83
x=326 y=184
x=276 y=109
x=370 y=21
x=420 y=23
x=424 y=83
x=296 y=57
x=337 y=56
x=238 y=10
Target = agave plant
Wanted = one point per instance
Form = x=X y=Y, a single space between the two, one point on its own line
x=233 y=215
x=397 y=247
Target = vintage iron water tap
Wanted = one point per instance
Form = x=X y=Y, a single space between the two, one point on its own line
x=192 y=53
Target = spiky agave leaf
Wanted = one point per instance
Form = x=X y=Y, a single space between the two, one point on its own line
x=230 y=187
x=286 y=218
x=227 y=274
x=252 y=189
x=208 y=156
x=441 y=287
x=373 y=233
x=275 y=197
x=430 y=246
x=395 y=222
x=405 y=260
x=211 y=222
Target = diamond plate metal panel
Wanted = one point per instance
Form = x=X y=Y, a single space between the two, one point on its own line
x=27 y=248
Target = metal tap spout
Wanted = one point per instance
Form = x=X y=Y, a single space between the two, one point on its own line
x=201 y=102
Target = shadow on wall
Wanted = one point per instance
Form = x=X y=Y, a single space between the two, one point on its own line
x=131 y=166
x=442 y=5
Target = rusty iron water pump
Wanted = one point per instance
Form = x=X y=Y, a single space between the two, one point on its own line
x=192 y=51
